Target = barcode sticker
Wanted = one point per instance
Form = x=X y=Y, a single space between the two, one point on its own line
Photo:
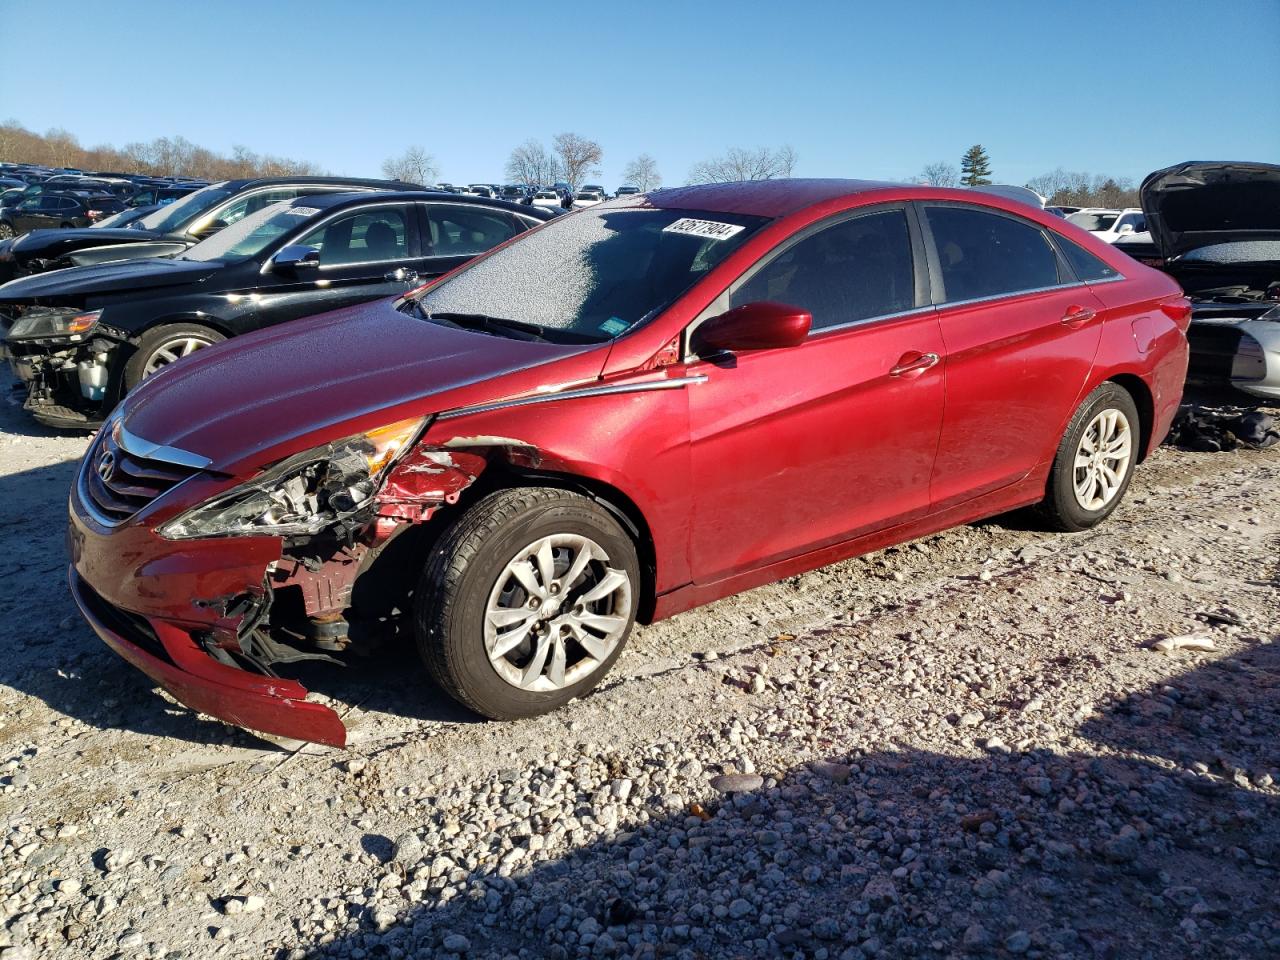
x=708 y=229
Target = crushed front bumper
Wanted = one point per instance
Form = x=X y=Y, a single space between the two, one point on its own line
x=143 y=596
x=170 y=657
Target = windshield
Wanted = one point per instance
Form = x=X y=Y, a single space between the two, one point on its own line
x=596 y=273
x=178 y=214
x=250 y=236
x=1093 y=221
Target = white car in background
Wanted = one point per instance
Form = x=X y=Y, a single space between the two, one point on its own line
x=546 y=198
x=1109 y=224
x=586 y=198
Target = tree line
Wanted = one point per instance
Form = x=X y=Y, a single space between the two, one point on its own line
x=163 y=156
x=1061 y=187
x=570 y=158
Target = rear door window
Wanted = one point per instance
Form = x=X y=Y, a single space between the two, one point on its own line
x=984 y=254
x=460 y=230
x=853 y=270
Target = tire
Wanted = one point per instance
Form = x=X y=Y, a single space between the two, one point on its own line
x=468 y=577
x=168 y=337
x=1070 y=503
x=7 y=232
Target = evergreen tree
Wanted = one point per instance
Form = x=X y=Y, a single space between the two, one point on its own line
x=975 y=167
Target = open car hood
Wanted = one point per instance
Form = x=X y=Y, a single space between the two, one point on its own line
x=52 y=244
x=234 y=401
x=79 y=282
x=1199 y=203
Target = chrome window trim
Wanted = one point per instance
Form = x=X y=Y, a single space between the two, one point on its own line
x=945 y=304
x=674 y=383
x=136 y=445
x=913 y=312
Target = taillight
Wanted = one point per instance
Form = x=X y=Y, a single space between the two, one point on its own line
x=94 y=214
x=1177 y=309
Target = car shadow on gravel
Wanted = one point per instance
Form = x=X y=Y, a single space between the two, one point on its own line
x=1116 y=847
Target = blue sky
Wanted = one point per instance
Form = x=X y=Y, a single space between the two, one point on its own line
x=858 y=89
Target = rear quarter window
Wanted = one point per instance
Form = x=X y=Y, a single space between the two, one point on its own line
x=1084 y=264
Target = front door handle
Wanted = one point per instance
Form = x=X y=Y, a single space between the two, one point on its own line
x=1077 y=316
x=913 y=364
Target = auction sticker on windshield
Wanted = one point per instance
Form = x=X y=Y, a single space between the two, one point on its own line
x=709 y=229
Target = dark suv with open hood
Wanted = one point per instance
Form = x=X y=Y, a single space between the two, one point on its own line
x=171 y=229
x=84 y=336
x=1215 y=228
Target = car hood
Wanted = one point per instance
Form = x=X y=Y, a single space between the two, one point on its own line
x=241 y=403
x=52 y=244
x=1195 y=204
x=79 y=282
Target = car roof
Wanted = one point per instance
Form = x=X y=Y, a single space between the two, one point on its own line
x=765 y=198
x=337 y=181
x=327 y=201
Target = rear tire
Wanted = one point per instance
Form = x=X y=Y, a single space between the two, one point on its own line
x=164 y=344
x=504 y=623
x=7 y=232
x=1095 y=461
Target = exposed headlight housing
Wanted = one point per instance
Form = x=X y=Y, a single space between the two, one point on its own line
x=304 y=494
x=39 y=323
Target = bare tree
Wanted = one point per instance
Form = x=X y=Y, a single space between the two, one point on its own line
x=415 y=165
x=939 y=174
x=740 y=163
x=643 y=172
x=576 y=157
x=531 y=164
x=1080 y=189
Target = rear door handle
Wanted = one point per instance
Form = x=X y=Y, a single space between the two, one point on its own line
x=913 y=363
x=1077 y=316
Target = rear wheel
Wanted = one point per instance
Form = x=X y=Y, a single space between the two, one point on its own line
x=1095 y=460
x=7 y=232
x=164 y=345
x=527 y=601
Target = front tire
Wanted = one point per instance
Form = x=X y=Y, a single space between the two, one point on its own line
x=526 y=601
x=1095 y=461
x=161 y=346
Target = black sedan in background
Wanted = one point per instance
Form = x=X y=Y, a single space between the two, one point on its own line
x=171 y=229
x=80 y=338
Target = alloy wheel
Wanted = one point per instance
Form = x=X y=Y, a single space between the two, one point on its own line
x=6 y=231
x=171 y=350
x=556 y=613
x=1102 y=459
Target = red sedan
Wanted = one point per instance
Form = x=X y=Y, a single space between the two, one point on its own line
x=625 y=413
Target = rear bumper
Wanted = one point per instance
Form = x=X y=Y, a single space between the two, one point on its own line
x=170 y=657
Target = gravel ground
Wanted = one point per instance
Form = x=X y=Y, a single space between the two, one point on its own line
x=961 y=747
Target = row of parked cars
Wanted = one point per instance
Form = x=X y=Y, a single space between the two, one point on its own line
x=34 y=198
x=556 y=196
x=547 y=428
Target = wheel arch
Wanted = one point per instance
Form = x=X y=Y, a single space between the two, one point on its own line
x=168 y=319
x=1137 y=388
x=502 y=474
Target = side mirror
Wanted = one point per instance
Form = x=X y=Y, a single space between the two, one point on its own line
x=1127 y=228
x=294 y=257
x=764 y=325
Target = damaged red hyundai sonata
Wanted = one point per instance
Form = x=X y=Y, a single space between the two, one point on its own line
x=625 y=413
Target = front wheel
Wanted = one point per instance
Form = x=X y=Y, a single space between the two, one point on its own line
x=1095 y=460
x=7 y=232
x=527 y=601
x=164 y=345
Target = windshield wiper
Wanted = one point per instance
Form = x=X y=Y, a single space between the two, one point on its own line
x=482 y=321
